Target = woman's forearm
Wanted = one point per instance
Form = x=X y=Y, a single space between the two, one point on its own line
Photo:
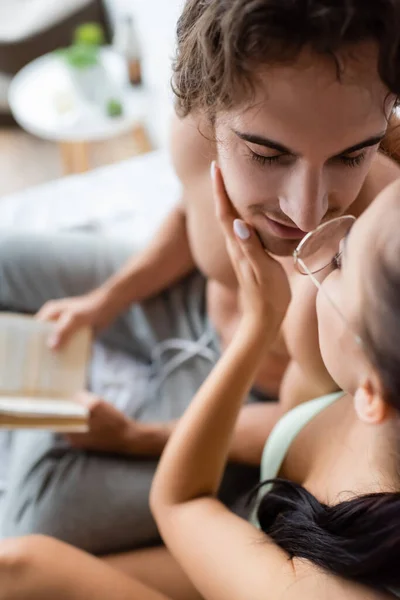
x=195 y=457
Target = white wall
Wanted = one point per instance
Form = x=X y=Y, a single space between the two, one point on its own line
x=156 y=25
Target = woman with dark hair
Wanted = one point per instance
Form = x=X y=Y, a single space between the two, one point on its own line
x=328 y=510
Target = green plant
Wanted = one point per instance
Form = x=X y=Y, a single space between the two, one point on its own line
x=84 y=51
x=114 y=108
x=80 y=56
x=91 y=34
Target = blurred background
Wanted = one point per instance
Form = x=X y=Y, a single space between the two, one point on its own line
x=85 y=105
x=83 y=84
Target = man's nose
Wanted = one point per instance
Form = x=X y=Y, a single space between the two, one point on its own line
x=305 y=198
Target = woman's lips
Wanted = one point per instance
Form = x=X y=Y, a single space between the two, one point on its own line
x=283 y=231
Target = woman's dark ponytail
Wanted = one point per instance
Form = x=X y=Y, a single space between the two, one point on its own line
x=358 y=539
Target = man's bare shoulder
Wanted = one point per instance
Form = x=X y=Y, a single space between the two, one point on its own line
x=383 y=172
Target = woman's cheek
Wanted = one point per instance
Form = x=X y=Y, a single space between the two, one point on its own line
x=329 y=327
x=325 y=330
x=335 y=339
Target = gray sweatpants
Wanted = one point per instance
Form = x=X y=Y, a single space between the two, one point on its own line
x=99 y=502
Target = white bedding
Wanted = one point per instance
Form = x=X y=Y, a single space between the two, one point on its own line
x=127 y=200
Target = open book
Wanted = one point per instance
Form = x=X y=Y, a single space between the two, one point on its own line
x=37 y=385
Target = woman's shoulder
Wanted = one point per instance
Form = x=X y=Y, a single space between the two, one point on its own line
x=287 y=429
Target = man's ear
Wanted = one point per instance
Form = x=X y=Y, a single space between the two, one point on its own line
x=369 y=403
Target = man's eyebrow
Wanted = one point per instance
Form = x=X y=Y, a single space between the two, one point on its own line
x=273 y=145
x=371 y=141
x=263 y=141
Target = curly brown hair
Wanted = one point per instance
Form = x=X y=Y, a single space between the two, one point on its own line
x=220 y=42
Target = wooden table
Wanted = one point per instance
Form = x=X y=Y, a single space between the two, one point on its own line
x=45 y=102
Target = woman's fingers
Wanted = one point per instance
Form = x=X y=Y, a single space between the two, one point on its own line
x=234 y=227
x=226 y=213
x=252 y=249
x=263 y=283
x=242 y=242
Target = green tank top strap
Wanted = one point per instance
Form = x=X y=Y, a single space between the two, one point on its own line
x=283 y=435
x=287 y=429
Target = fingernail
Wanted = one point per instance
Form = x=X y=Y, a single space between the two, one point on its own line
x=241 y=230
x=212 y=169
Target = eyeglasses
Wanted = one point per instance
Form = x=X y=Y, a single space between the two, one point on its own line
x=321 y=250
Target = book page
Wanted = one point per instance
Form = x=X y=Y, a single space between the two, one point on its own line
x=34 y=407
x=66 y=424
x=29 y=368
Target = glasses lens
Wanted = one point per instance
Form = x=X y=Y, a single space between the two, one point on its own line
x=318 y=250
